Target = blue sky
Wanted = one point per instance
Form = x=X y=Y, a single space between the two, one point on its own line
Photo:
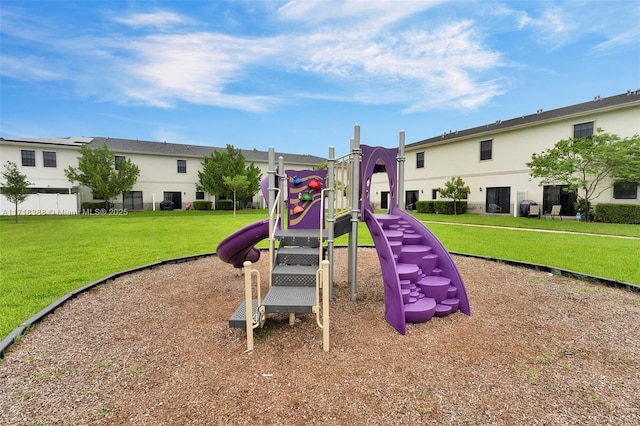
x=297 y=75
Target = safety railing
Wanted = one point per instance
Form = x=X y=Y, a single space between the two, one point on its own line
x=321 y=225
x=342 y=181
x=322 y=280
x=252 y=319
x=274 y=219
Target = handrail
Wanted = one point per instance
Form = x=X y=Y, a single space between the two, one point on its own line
x=322 y=280
x=316 y=309
x=321 y=225
x=250 y=321
x=325 y=305
x=274 y=217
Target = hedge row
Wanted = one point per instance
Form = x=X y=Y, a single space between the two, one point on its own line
x=441 y=207
x=93 y=206
x=202 y=205
x=224 y=205
x=618 y=213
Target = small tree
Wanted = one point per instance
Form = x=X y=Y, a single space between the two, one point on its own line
x=96 y=170
x=455 y=189
x=238 y=184
x=228 y=164
x=16 y=188
x=588 y=165
x=341 y=187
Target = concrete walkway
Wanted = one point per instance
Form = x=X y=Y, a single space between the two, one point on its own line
x=551 y=231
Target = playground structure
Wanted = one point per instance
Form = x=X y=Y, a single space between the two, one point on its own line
x=308 y=209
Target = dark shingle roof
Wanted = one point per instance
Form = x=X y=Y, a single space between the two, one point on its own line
x=164 y=148
x=597 y=104
x=180 y=150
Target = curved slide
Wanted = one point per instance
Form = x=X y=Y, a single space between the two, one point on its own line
x=240 y=246
x=420 y=277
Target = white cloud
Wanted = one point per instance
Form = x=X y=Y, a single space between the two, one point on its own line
x=357 y=49
x=155 y=19
x=26 y=68
x=554 y=26
x=405 y=67
x=559 y=24
x=194 y=67
x=624 y=39
x=356 y=11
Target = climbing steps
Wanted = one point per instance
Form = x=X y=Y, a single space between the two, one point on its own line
x=424 y=291
x=293 y=278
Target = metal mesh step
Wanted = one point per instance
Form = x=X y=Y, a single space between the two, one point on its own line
x=238 y=319
x=294 y=275
x=300 y=237
x=297 y=256
x=286 y=299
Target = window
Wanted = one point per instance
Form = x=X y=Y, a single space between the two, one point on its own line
x=49 y=158
x=119 y=159
x=199 y=195
x=182 y=166
x=434 y=194
x=486 y=150
x=420 y=160
x=584 y=130
x=28 y=158
x=411 y=197
x=384 y=199
x=176 y=197
x=49 y=190
x=498 y=199
x=625 y=190
x=132 y=200
x=559 y=194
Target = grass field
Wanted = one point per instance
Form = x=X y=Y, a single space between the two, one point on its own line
x=45 y=257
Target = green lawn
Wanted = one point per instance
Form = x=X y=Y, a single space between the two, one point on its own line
x=45 y=257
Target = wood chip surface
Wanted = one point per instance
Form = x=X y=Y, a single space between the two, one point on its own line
x=154 y=348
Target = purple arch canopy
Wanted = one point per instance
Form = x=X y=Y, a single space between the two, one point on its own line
x=376 y=159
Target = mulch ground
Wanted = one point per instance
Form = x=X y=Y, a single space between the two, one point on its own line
x=154 y=348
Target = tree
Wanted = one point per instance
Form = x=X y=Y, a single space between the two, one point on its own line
x=16 y=189
x=97 y=171
x=588 y=165
x=238 y=183
x=228 y=164
x=321 y=166
x=455 y=189
x=340 y=187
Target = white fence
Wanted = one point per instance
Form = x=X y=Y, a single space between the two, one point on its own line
x=41 y=204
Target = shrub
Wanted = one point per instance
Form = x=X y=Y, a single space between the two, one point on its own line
x=446 y=207
x=224 y=205
x=93 y=206
x=618 y=213
x=441 y=207
x=424 y=206
x=202 y=205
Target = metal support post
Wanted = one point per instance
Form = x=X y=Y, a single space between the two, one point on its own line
x=271 y=172
x=248 y=307
x=400 y=184
x=355 y=212
x=284 y=193
x=331 y=184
